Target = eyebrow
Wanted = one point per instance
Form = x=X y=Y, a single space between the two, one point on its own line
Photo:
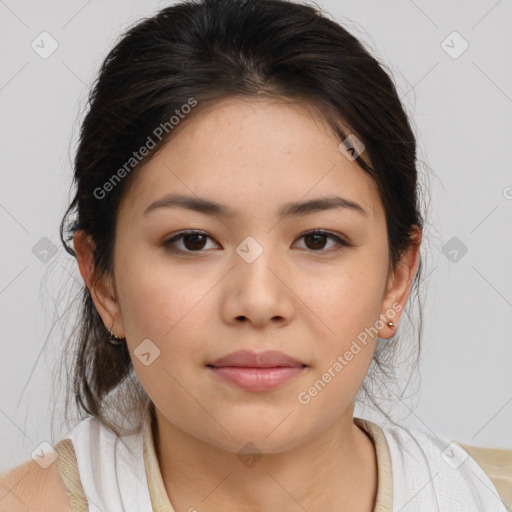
x=293 y=209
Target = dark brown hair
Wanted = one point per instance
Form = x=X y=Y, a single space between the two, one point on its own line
x=206 y=50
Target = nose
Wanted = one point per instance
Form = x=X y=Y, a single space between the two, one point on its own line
x=259 y=290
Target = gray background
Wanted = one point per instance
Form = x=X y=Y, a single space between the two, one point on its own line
x=462 y=114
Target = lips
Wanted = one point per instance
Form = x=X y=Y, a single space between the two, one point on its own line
x=256 y=371
x=248 y=359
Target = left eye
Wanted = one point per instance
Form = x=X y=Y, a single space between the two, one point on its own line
x=317 y=235
x=194 y=241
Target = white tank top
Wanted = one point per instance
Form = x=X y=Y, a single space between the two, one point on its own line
x=111 y=468
x=429 y=474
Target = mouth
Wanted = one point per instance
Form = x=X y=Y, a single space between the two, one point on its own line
x=250 y=359
x=257 y=371
x=257 y=379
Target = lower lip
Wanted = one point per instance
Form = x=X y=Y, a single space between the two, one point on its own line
x=257 y=379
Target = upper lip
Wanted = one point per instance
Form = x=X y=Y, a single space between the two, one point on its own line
x=247 y=358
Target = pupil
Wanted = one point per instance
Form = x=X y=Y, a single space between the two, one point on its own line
x=194 y=237
x=317 y=236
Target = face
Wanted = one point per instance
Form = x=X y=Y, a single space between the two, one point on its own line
x=253 y=277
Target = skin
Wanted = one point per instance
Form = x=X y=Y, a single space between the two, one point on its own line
x=300 y=297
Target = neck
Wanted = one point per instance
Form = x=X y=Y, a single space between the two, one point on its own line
x=336 y=469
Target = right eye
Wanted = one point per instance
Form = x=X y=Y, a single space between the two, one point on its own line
x=193 y=241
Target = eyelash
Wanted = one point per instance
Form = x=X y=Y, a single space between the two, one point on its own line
x=341 y=243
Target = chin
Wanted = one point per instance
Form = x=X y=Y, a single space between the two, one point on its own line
x=257 y=438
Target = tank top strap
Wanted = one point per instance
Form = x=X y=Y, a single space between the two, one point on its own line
x=384 y=499
x=68 y=468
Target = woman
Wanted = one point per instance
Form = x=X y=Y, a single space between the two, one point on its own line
x=248 y=229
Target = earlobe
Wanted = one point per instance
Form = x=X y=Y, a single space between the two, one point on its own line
x=399 y=284
x=100 y=287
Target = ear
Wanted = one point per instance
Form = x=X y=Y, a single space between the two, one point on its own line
x=399 y=284
x=101 y=288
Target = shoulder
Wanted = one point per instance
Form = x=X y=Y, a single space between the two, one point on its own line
x=52 y=484
x=497 y=464
x=29 y=487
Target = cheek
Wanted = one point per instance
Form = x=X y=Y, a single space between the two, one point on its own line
x=163 y=307
x=345 y=310
x=344 y=301
x=170 y=309
x=157 y=298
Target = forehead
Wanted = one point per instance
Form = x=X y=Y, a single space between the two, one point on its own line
x=252 y=154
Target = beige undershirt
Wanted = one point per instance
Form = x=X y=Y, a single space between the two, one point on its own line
x=161 y=503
